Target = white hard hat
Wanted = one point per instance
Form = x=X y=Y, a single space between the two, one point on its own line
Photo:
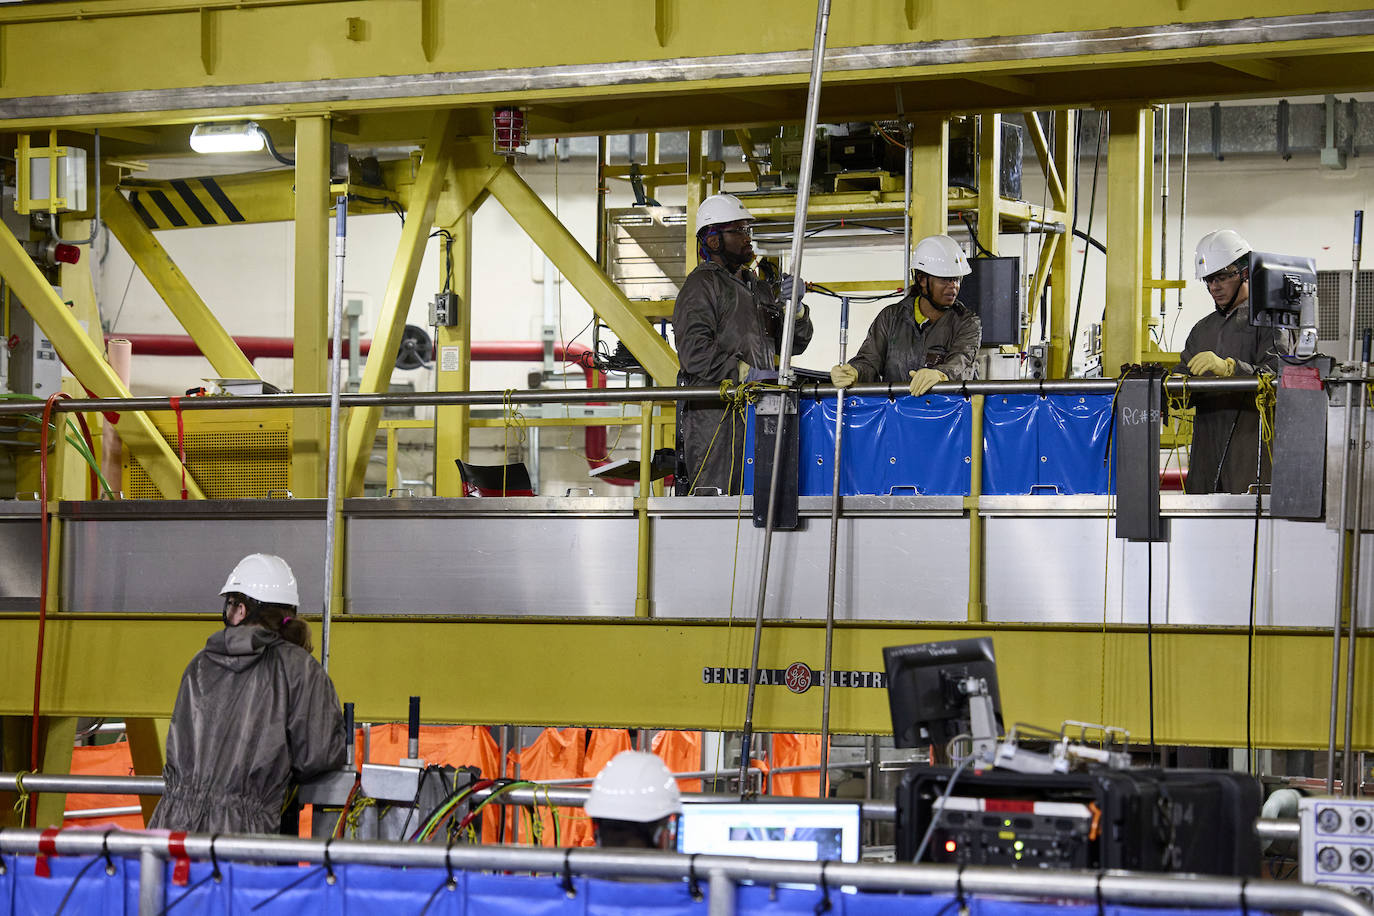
x=720 y=208
x=634 y=786
x=1218 y=250
x=265 y=577
x=940 y=256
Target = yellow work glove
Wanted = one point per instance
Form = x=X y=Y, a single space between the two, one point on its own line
x=1208 y=362
x=842 y=375
x=922 y=380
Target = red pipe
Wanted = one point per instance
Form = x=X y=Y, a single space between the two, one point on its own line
x=482 y=351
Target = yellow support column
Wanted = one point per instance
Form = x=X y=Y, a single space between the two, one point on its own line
x=171 y=284
x=1061 y=272
x=989 y=181
x=1127 y=165
x=147 y=751
x=977 y=610
x=643 y=599
x=87 y=363
x=696 y=193
x=582 y=271
x=309 y=428
x=400 y=286
x=58 y=735
x=452 y=435
x=929 y=176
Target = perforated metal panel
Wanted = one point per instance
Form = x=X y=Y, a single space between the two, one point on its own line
x=1333 y=303
x=228 y=459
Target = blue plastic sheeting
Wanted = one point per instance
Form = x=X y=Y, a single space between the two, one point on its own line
x=1054 y=444
x=262 y=890
x=903 y=446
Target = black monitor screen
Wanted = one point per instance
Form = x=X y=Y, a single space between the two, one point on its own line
x=1280 y=285
x=922 y=689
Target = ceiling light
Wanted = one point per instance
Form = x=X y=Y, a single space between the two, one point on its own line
x=227 y=137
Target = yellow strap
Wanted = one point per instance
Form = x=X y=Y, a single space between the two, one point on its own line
x=21 y=806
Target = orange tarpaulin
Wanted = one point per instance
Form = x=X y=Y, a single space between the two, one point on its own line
x=103 y=760
x=682 y=752
x=555 y=754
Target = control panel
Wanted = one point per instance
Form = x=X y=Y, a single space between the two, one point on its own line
x=1337 y=847
x=989 y=831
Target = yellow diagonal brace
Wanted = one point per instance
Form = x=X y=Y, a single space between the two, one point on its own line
x=88 y=364
x=171 y=284
x=1042 y=273
x=1042 y=152
x=587 y=278
x=400 y=286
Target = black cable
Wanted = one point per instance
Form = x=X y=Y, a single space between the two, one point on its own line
x=1150 y=638
x=973 y=234
x=71 y=887
x=272 y=149
x=1083 y=275
x=1078 y=233
x=1250 y=630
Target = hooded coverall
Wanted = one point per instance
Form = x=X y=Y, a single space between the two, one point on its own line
x=1226 y=426
x=896 y=345
x=721 y=321
x=254 y=713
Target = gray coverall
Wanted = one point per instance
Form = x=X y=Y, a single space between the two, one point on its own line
x=719 y=321
x=896 y=345
x=1226 y=426
x=254 y=713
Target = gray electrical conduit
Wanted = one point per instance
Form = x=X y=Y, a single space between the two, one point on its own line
x=813 y=99
x=335 y=390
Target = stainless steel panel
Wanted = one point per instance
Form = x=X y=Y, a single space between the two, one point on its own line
x=1053 y=570
x=567 y=565
x=21 y=560
x=646 y=250
x=1335 y=461
x=171 y=565
x=903 y=568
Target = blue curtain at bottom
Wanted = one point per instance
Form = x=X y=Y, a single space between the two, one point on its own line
x=265 y=890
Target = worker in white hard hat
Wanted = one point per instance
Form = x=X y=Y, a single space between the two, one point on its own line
x=254 y=714
x=633 y=802
x=1225 y=455
x=727 y=326
x=929 y=336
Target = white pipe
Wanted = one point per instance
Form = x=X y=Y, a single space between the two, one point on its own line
x=335 y=379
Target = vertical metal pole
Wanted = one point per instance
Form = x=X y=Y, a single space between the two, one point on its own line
x=150 y=877
x=1164 y=220
x=813 y=100
x=1343 y=513
x=834 y=554
x=331 y=506
x=1348 y=778
x=722 y=899
x=1182 y=202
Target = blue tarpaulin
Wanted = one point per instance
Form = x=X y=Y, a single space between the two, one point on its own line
x=266 y=890
x=1031 y=444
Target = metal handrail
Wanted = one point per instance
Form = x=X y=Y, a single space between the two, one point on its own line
x=722 y=871
x=1172 y=384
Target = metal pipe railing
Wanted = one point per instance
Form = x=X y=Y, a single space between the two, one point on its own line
x=1178 y=384
x=1108 y=887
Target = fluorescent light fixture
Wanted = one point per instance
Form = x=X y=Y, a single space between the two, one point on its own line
x=227 y=137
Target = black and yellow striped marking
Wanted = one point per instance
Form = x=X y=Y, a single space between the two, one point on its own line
x=183 y=204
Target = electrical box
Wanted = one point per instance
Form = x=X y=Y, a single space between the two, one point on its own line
x=33 y=364
x=35 y=167
x=443 y=311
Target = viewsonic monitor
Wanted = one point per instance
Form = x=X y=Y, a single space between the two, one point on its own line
x=923 y=691
x=1282 y=289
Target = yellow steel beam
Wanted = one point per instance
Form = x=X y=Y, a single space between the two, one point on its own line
x=989 y=181
x=87 y=363
x=400 y=286
x=587 y=278
x=310 y=324
x=1256 y=67
x=929 y=176
x=1061 y=275
x=1127 y=167
x=453 y=369
x=1015 y=85
x=656 y=673
x=1048 y=248
x=1046 y=157
x=171 y=284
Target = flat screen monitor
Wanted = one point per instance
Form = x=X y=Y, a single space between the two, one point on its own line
x=1282 y=287
x=923 y=689
x=798 y=831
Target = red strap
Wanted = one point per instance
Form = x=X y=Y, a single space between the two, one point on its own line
x=47 y=846
x=176 y=848
x=110 y=416
x=181 y=443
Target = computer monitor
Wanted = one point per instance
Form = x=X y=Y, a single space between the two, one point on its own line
x=923 y=689
x=1283 y=288
x=799 y=831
